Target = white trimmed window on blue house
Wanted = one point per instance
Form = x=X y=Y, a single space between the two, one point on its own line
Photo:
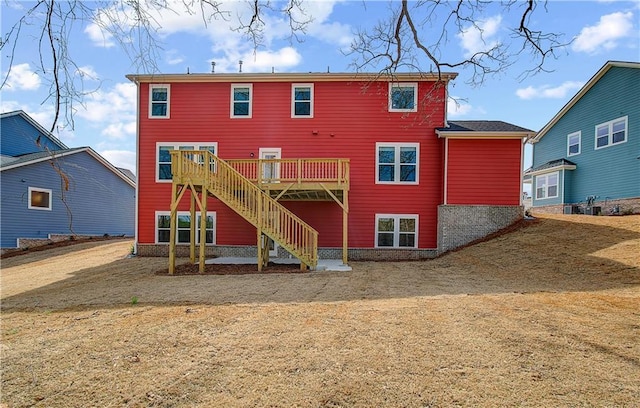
x=396 y=231
x=163 y=168
x=397 y=163
x=183 y=236
x=574 y=143
x=39 y=199
x=611 y=133
x=159 y=100
x=403 y=97
x=547 y=186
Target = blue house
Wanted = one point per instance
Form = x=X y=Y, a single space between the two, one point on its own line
x=587 y=158
x=49 y=189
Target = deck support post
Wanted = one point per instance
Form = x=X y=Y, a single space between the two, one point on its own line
x=203 y=227
x=192 y=232
x=345 y=226
x=172 y=228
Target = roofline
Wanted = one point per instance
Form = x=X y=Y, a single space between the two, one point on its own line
x=470 y=134
x=36 y=125
x=550 y=169
x=69 y=152
x=290 y=77
x=605 y=68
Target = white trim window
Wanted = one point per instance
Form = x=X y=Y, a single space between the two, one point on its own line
x=397 y=163
x=159 y=101
x=574 y=143
x=403 y=97
x=40 y=199
x=611 y=133
x=163 y=156
x=547 y=186
x=396 y=231
x=241 y=100
x=302 y=100
x=183 y=236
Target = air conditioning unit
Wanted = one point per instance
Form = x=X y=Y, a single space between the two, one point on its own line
x=572 y=209
x=595 y=210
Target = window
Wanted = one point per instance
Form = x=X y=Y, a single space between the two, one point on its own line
x=396 y=231
x=573 y=143
x=159 y=101
x=397 y=163
x=163 y=171
x=183 y=236
x=547 y=186
x=39 y=199
x=611 y=133
x=302 y=101
x=241 y=95
x=403 y=97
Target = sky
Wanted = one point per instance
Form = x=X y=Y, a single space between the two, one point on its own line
x=593 y=31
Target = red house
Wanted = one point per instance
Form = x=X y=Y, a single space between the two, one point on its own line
x=357 y=166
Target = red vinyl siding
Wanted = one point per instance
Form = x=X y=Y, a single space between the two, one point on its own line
x=484 y=171
x=349 y=118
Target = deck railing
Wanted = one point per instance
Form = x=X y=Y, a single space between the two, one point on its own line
x=248 y=200
x=264 y=171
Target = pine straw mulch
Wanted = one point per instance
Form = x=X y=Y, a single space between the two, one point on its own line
x=188 y=269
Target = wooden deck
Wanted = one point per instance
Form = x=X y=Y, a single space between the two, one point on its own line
x=253 y=188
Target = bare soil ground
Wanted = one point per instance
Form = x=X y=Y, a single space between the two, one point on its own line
x=547 y=315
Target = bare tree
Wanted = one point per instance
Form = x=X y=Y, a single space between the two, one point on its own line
x=414 y=35
x=418 y=33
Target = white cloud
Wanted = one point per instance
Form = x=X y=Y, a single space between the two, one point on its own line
x=457 y=107
x=99 y=37
x=121 y=158
x=546 y=91
x=478 y=37
x=605 y=34
x=22 y=78
x=113 y=110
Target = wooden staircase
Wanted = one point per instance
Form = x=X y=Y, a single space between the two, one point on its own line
x=204 y=171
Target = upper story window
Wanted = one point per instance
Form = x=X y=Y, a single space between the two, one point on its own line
x=611 y=133
x=302 y=101
x=241 y=95
x=403 y=97
x=163 y=168
x=397 y=163
x=396 y=231
x=39 y=198
x=159 y=97
x=547 y=186
x=573 y=143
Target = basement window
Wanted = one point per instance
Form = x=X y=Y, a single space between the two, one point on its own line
x=396 y=231
x=183 y=236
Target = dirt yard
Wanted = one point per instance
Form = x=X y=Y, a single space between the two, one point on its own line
x=548 y=315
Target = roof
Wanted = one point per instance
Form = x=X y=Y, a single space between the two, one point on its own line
x=32 y=158
x=594 y=79
x=127 y=173
x=483 y=128
x=291 y=77
x=36 y=125
x=553 y=164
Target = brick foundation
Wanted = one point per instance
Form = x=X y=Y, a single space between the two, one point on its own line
x=251 y=251
x=608 y=207
x=460 y=224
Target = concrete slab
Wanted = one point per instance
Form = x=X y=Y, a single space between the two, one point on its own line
x=323 y=264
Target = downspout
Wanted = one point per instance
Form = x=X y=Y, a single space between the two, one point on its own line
x=135 y=239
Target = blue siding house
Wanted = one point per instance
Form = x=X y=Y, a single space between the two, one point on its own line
x=587 y=158
x=50 y=189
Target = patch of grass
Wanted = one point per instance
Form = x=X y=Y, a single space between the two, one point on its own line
x=134 y=300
